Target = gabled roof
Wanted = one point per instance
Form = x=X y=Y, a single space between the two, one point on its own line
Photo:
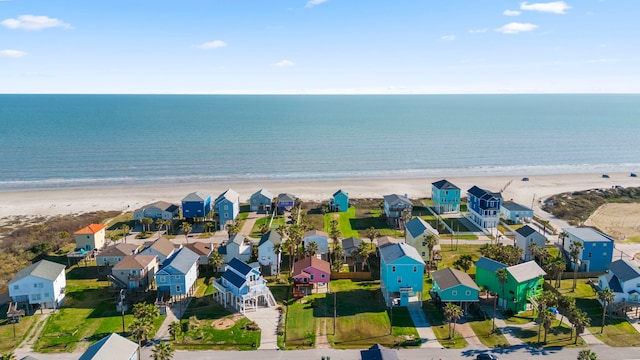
x=271 y=236
x=526 y=271
x=513 y=206
x=351 y=242
x=489 y=264
x=624 y=269
x=286 y=197
x=316 y=233
x=137 y=261
x=121 y=249
x=240 y=266
x=395 y=199
x=444 y=185
x=587 y=234
x=237 y=239
x=386 y=240
x=196 y=196
x=262 y=192
x=43 y=269
x=417 y=226
x=392 y=252
x=614 y=284
x=311 y=261
x=234 y=278
x=90 y=229
x=112 y=347
x=200 y=248
x=163 y=246
x=527 y=230
x=340 y=192
x=229 y=194
x=482 y=193
x=378 y=352
x=449 y=277
x=162 y=205
x=182 y=261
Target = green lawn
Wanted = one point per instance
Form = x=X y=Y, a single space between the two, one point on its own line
x=450 y=255
x=277 y=221
x=22 y=328
x=344 y=222
x=558 y=336
x=301 y=323
x=482 y=329
x=441 y=328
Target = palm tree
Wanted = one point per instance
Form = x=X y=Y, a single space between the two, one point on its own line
x=282 y=231
x=536 y=250
x=587 y=355
x=233 y=228
x=580 y=322
x=162 y=351
x=167 y=225
x=334 y=231
x=159 y=223
x=208 y=227
x=452 y=313
x=175 y=329
x=606 y=296
x=565 y=303
x=146 y=223
x=186 y=229
x=312 y=248
x=263 y=228
x=338 y=254
x=364 y=251
x=125 y=231
x=277 y=249
x=555 y=267
x=216 y=260
x=430 y=241
x=546 y=318
x=502 y=275
x=140 y=331
x=464 y=262
x=372 y=233
x=574 y=250
x=9 y=356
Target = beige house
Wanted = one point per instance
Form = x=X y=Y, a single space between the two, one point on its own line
x=113 y=254
x=204 y=251
x=135 y=272
x=90 y=237
x=163 y=248
x=416 y=232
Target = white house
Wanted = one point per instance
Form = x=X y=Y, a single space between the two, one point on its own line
x=242 y=287
x=111 y=347
x=237 y=247
x=623 y=278
x=157 y=210
x=321 y=239
x=42 y=283
x=90 y=237
x=267 y=257
x=515 y=212
x=526 y=236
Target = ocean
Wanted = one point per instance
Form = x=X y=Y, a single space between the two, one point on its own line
x=79 y=141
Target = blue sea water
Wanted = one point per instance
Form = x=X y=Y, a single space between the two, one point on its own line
x=54 y=141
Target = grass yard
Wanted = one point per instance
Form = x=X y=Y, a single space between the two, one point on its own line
x=558 y=336
x=449 y=256
x=482 y=328
x=441 y=328
x=22 y=328
x=300 y=330
x=366 y=218
x=344 y=222
x=277 y=221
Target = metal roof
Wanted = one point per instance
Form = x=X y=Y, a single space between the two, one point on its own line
x=489 y=264
x=262 y=192
x=271 y=236
x=417 y=226
x=112 y=347
x=526 y=271
x=182 y=261
x=43 y=269
x=587 y=234
x=196 y=196
x=513 y=206
x=392 y=252
x=230 y=195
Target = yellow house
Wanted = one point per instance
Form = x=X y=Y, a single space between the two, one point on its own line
x=90 y=237
x=416 y=231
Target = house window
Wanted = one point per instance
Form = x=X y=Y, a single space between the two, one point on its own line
x=454 y=292
x=415 y=269
x=226 y=207
x=604 y=245
x=594 y=245
x=16 y=287
x=311 y=277
x=393 y=269
x=399 y=279
x=323 y=276
x=178 y=288
x=46 y=295
x=468 y=292
x=589 y=255
x=424 y=253
x=35 y=296
x=638 y=285
x=604 y=254
x=162 y=279
x=176 y=277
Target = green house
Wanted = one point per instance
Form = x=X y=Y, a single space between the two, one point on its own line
x=523 y=282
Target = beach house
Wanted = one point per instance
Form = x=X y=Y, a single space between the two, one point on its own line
x=260 y=201
x=242 y=287
x=445 y=197
x=525 y=236
x=204 y=250
x=238 y=247
x=157 y=210
x=42 y=283
x=416 y=233
x=350 y=248
x=321 y=239
x=196 y=205
x=113 y=254
x=134 y=272
x=339 y=201
x=522 y=282
x=401 y=274
x=310 y=274
x=396 y=207
x=178 y=274
x=623 y=278
x=162 y=248
x=484 y=207
x=226 y=207
x=90 y=237
x=270 y=252
x=286 y=202
x=515 y=213
x=596 y=252
x=378 y=352
x=112 y=347
x=452 y=285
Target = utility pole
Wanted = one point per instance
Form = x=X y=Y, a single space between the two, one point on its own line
x=335 y=313
x=122 y=295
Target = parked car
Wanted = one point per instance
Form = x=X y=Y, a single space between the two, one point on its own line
x=525 y=179
x=486 y=357
x=633 y=175
x=605 y=176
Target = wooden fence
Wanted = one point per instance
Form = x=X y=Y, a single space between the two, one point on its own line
x=360 y=275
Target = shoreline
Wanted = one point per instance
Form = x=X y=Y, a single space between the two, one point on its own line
x=49 y=202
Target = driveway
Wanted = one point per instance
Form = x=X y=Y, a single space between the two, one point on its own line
x=267 y=320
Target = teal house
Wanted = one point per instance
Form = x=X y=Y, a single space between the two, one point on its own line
x=401 y=272
x=339 y=201
x=523 y=282
x=445 y=197
x=453 y=285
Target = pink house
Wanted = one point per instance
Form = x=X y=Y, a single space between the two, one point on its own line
x=310 y=273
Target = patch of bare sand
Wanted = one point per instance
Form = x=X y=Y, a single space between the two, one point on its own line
x=621 y=221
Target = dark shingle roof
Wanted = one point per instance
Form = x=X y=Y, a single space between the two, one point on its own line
x=240 y=266
x=350 y=243
x=340 y=191
x=286 y=197
x=526 y=231
x=480 y=193
x=614 y=284
x=121 y=249
x=448 y=278
x=489 y=264
x=444 y=184
x=624 y=269
x=395 y=199
x=378 y=352
x=196 y=196
x=417 y=227
x=513 y=206
x=43 y=269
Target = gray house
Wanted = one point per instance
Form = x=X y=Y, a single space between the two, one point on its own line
x=260 y=201
x=526 y=236
x=395 y=206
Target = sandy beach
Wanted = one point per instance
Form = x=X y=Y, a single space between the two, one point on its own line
x=70 y=201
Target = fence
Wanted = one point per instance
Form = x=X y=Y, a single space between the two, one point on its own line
x=360 y=275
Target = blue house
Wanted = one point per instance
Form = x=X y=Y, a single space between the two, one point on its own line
x=286 y=201
x=515 y=212
x=260 y=201
x=401 y=272
x=242 y=287
x=178 y=274
x=196 y=205
x=227 y=207
x=395 y=206
x=339 y=202
x=596 y=252
x=445 y=197
x=452 y=285
x=484 y=207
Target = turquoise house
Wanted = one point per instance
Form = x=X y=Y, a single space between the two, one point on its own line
x=178 y=274
x=340 y=201
x=445 y=197
x=401 y=274
x=523 y=282
x=453 y=285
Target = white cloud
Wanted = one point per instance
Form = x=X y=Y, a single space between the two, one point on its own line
x=511 y=13
x=477 y=31
x=284 y=63
x=514 y=28
x=556 y=7
x=312 y=3
x=33 y=22
x=215 y=44
x=12 y=53
x=448 y=38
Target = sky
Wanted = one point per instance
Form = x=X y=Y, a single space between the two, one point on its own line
x=319 y=46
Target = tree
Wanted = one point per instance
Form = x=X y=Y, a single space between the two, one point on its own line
x=452 y=313
x=208 y=226
x=159 y=223
x=140 y=331
x=338 y=254
x=312 y=248
x=555 y=267
x=536 y=252
x=162 y=351
x=146 y=223
x=233 y=228
x=282 y=231
x=430 y=241
x=587 y=355
x=502 y=275
x=216 y=260
x=9 y=356
x=364 y=251
x=464 y=262
x=125 y=231
x=334 y=230
x=546 y=318
x=565 y=304
x=263 y=228
x=372 y=233
x=575 y=248
x=175 y=330
x=606 y=296
x=186 y=229
x=579 y=320
x=145 y=312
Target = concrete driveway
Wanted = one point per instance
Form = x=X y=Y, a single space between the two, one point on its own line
x=267 y=319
